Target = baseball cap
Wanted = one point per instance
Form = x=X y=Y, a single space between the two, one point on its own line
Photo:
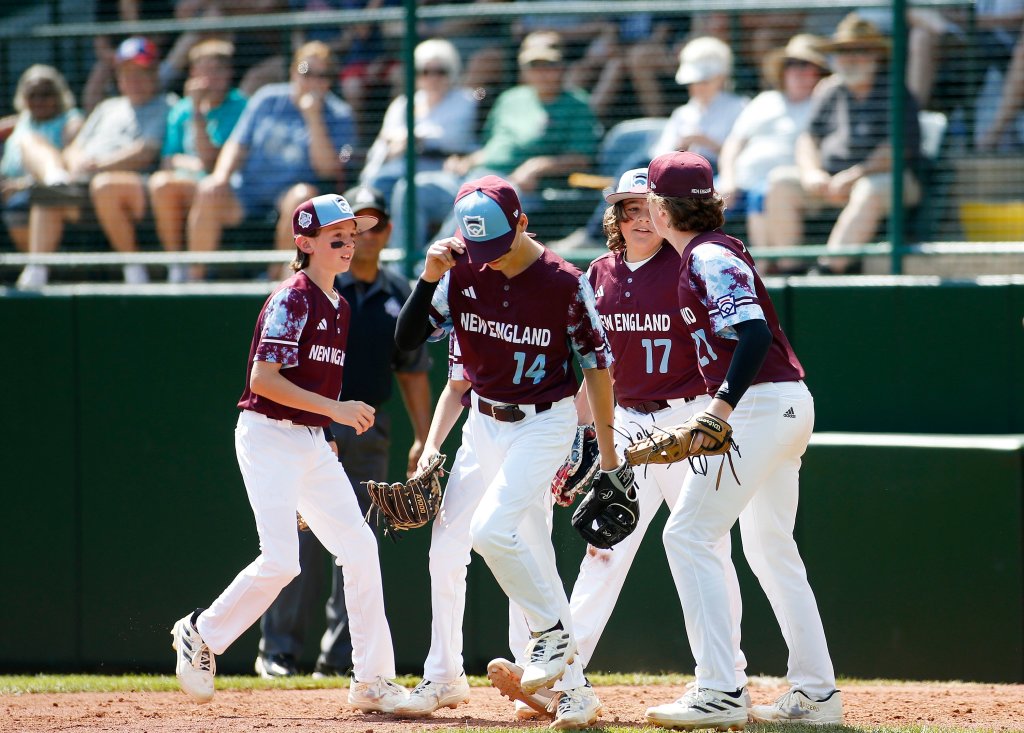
x=681 y=175
x=138 y=50
x=487 y=211
x=632 y=185
x=361 y=198
x=541 y=46
x=314 y=214
x=702 y=59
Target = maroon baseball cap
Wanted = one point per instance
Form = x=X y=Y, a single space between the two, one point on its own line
x=681 y=175
x=487 y=211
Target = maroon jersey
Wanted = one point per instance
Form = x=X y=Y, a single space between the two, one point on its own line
x=299 y=328
x=718 y=288
x=639 y=309
x=517 y=336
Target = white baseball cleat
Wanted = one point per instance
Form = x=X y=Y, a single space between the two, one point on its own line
x=377 y=696
x=547 y=657
x=505 y=676
x=429 y=696
x=196 y=665
x=796 y=706
x=701 y=709
x=577 y=708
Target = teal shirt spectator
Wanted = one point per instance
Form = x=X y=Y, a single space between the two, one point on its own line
x=276 y=138
x=220 y=121
x=52 y=130
x=521 y=126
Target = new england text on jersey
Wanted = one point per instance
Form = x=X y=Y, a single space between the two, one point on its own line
x=511 y=332
x=636 y=321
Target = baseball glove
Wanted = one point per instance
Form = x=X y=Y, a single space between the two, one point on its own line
x=670 y=445
x=579 y=469
x=408 y=505
x=609 y=512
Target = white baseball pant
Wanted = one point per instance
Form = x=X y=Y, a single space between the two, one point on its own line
x=289 y=467
x=603 y=572
x=772 y=425
x=507 y=491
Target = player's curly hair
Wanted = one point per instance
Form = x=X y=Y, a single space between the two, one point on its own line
x=692 y=215
x=612 y=216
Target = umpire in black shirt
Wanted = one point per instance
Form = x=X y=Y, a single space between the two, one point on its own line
x=376 y=295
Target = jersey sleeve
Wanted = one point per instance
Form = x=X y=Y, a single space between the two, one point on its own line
x=586 y=334
x=283 y=321
x=440 y=312
x=456 y=370
x=725 y=284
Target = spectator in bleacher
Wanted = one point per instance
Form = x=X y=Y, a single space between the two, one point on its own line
x=445 y=115
x=536 y=134
x=844 y=158
x=124 y=133
x=702 y=124
x=288 y=145
x=197 y=128
x=102 y=82
x=44 y=106
x=764 y=136
x=1006 y=130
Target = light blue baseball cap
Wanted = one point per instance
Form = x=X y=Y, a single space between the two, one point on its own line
x=314 y=214
x=632 y=185
x=487 y=212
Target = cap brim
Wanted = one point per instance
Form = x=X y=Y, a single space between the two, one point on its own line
x=480 y=253
x=363 y=222
x=614 y=198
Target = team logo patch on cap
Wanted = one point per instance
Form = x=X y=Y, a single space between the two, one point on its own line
x=475 y=226
x=305 y=219
x=639 y=179
x=343 y=205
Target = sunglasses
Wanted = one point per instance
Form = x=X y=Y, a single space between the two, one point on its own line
x=798 y=64
x=432 y=71
x=541 y=64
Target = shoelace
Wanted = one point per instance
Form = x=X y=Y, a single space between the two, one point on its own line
x=422 y=686
x=539 y=651
x=203 y=660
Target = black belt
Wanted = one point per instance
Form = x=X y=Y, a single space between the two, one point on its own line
x=649 y=406
x=508 y=413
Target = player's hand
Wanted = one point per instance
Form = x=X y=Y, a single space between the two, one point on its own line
x=357 y=415
x=842 y=182
x=333 y=445
x=441 y=258
x=719 y=409
x=198 y=89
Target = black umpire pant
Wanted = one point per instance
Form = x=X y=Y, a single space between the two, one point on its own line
x=284 y=625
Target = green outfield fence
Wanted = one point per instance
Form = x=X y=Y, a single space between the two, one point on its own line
x=956 y=59
x=125 y=509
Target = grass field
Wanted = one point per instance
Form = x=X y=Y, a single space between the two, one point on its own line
x=82 y=690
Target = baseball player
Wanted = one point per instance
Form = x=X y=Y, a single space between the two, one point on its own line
x=520 y=313
x=755 y=378
x=293 y=379
x=656 y=383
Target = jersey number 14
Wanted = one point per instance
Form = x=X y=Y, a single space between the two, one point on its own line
x=535 y=372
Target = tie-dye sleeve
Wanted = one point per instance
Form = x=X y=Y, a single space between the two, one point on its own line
x=727 y=286
x=283 y=321
x=586 y=334
x=440 y=311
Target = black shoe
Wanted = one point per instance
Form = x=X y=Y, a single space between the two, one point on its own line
x=276 y=665
x=59 y=194
x=323 y=670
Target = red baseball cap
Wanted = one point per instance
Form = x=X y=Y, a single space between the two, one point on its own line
x=138 y=50
x=487 y=211
x=681 y=175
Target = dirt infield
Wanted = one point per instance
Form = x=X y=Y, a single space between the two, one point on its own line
x=933 y=705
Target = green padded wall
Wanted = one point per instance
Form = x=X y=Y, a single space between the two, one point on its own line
x=40 y=541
